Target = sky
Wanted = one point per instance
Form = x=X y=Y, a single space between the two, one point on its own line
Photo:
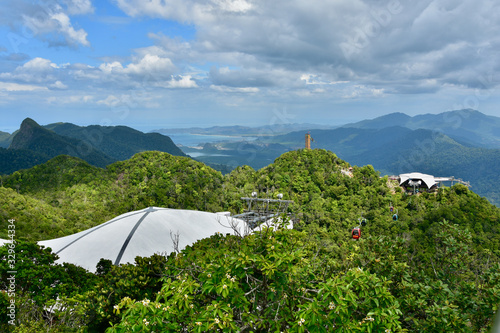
x=183 y=63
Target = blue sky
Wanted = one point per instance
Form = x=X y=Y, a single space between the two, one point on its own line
x=182 y=63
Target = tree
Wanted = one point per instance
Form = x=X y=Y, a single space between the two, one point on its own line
x=269 y=281
x=40 y=283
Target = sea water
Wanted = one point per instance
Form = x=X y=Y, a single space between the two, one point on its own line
x=194 y=140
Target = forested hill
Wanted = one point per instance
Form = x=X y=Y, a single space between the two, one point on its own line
x=4 y=139
x=434 y=268
x=395 y=150
x=119 y=142
x=32 y=136
x=78 y=195
x=70 y=195
x=33 y=144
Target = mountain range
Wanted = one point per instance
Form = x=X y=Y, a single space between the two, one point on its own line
x=466 y=126
x=462 y=143
x=242 y=130
x=4 y=139
x=33 y=144
x=118 y=142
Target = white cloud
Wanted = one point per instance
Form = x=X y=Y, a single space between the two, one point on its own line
x=36 y=70
x=9 y=86
x=182 y=81
x=79 y=7
x=47 y=20
x=249 y=77
x=67 y=30
x=123 y=100
x=152 y=67
x=110 y=101
x=387 y=40
x=377 y=92
x=38 y=65
x=68 y=100
x=109 y=68
x=151 y=64
x=236 y=6
x=361 y=91
x=264 y=53
x=315 y=79
x=182 y=10
x=225 y=89
x=57 y=22
x=58 y=85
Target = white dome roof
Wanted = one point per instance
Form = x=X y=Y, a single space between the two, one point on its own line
x=139 y=233
x=427 y=179
x=4 y=241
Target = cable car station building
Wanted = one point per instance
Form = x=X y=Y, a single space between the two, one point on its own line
x=416 y=182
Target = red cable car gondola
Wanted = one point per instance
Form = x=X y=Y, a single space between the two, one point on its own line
x=356 y=233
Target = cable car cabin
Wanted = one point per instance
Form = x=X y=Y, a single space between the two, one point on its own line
x=391 y=209
x=363 y=222
x=356 y=233
x=395 y=217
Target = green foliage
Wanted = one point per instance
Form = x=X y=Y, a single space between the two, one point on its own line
x=5 y=139
x=446 y=287
x=43 y=289
x=160 y=179
x=32 y=136
x=434 y=269
x=38 y=276
x=12 y=160
x=67 y=195
x=82 y=196
x=118 y=142
x=271 y=281
x=35 y=220
x=395 y=146
x=98 y=145
x=138 y=281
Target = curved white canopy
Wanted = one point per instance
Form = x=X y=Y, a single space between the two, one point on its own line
x=139 y=233
x=428 y=180
x=4 y=241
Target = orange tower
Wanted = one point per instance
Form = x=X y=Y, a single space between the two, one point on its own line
x=308 y=140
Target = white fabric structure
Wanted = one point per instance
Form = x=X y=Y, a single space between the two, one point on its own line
x=139 y=233
x=428 y=180
x=4 y=241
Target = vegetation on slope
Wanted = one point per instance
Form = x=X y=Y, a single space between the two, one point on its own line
x=33 y=144
x=466 y=125
x=32 y=136
x=16 y=159
x=5 y=139
x=119 y=142
x=85 y=196
x=396 y=150
x=433 y=269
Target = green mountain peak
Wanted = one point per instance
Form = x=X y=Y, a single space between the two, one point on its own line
x=26 y=133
